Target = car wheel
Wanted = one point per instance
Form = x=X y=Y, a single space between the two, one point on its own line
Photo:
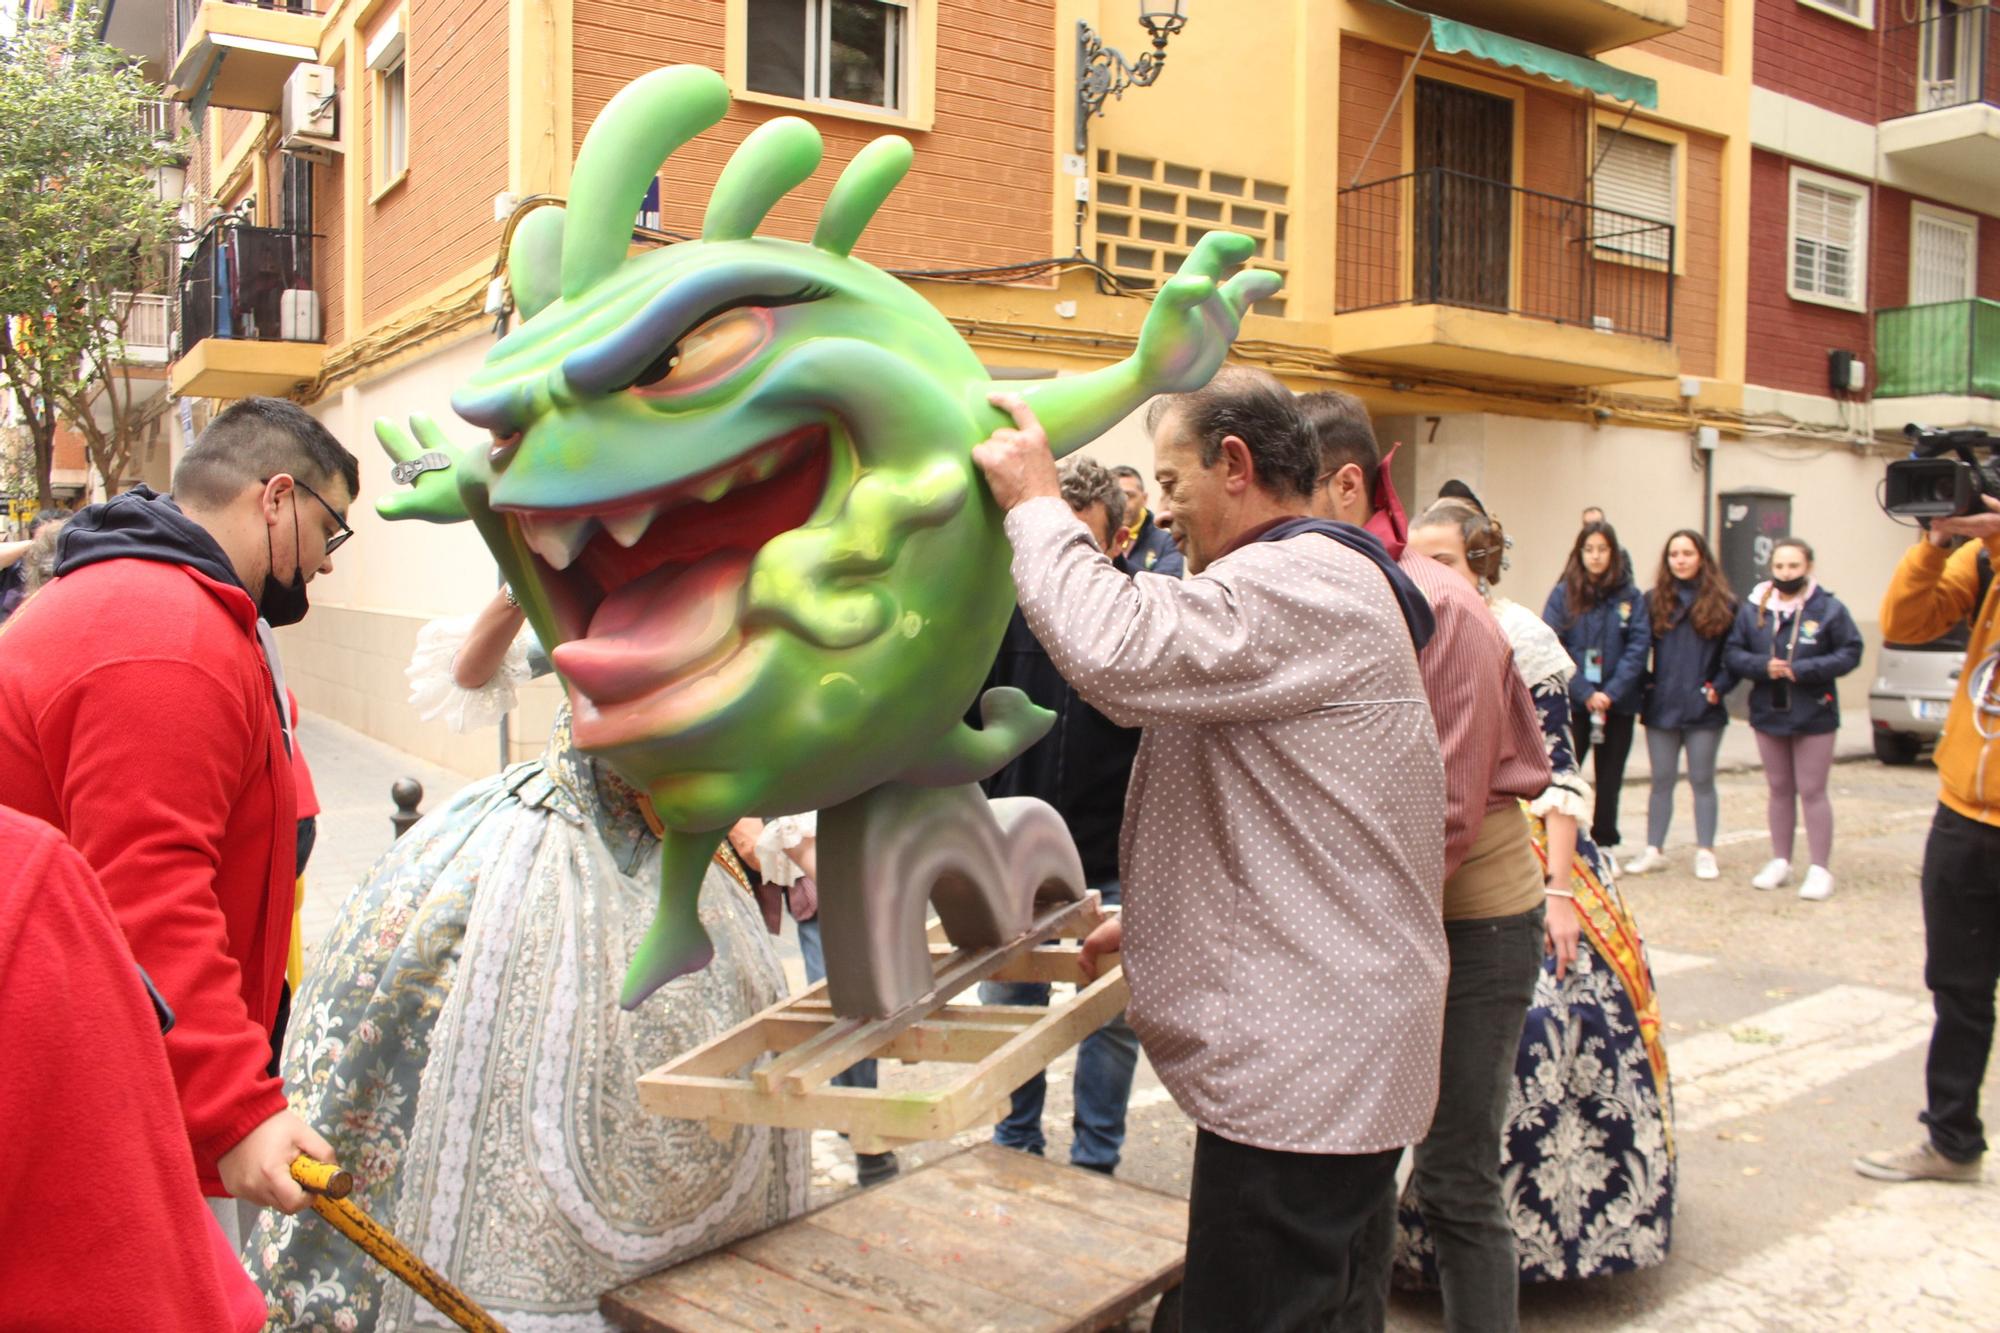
x=1898 y=747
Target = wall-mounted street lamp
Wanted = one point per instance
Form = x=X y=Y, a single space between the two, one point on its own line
x=1103 y=72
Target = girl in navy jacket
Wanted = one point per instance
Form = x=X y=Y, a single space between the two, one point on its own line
x=1792 y=640
x=1601 y=619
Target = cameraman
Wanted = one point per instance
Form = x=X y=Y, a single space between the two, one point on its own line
x=1934 y=589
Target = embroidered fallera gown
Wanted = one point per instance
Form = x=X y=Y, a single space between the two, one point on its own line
x=1588 y=1160
x=459 y=1041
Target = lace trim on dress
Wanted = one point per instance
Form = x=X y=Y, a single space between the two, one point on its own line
x=436 y=696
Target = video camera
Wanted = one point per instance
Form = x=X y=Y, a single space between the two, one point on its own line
x=1927 y=485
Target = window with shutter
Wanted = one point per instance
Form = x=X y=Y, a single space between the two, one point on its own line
x=1829 y=231
x=1634 y=187
x=1943 y=255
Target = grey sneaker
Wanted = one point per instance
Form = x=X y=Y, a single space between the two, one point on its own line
x=1919 y=1161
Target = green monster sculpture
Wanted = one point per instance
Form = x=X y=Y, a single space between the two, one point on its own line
x=730 y=481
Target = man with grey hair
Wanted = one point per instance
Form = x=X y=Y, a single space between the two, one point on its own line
x=1282 y=838
x=1082 y=768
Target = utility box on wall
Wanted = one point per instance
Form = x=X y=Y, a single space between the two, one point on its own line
x=1753 y=519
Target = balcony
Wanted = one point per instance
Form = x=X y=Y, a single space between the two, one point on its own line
x=238 y=53
x=1938 y=364
x=249 y=315
x=1940 y=102
x=1584 y=27
x=146 y=322
x=1441 y=271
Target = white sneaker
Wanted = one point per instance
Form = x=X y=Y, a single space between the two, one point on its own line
x=1818 y=886
x=1704 y=865
x=1777 y=872
x=1646 y=862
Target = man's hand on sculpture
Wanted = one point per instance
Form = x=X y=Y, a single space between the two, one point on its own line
x=1199 y=312
x=1016 y=459
x=432 y=493
x=1108 y=938
x=259 y=1168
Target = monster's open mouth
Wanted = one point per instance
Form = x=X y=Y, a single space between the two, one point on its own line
x=646 y=590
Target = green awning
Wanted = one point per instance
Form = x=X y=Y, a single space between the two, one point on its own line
x=1451 y=37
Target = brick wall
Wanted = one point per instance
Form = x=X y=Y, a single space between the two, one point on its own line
x=1811 y=55
x=439 y=221
x=330 y=249
x=980 y=191
x=1788 y=340
x=1700 y=42
x=1368 y=244
x=1698 y=288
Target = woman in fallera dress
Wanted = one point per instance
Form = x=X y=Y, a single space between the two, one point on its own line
x=1589 y=1157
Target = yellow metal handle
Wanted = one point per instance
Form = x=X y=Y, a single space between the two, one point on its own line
x=329 y=1187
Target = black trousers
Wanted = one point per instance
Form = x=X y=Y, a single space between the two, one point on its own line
x=1961 y=967
x=1610 y=773
x=1270 y=1233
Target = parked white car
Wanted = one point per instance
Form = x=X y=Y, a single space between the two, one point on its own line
x=1912 y=694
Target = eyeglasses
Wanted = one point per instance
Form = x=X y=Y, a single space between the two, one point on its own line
x=339 y=538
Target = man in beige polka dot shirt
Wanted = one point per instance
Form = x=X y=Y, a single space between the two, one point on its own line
x=1282 y=850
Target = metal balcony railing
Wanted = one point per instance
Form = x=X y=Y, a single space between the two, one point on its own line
x=1940 y=62
x=156 y=117
x=1951 y=348
x=147 y=321
x=246 y=282
x=1438 y=237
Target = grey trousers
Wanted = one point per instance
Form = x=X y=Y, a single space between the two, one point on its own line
x=1663 y=748
x=1456 y=1184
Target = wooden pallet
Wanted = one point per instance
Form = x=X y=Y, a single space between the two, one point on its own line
x=775 y=1068
x=986 y=1238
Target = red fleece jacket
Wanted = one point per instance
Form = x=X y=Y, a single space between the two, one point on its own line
x=137 y=715
x=104 y=1226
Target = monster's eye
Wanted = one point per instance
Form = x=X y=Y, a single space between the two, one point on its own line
x=707 y=353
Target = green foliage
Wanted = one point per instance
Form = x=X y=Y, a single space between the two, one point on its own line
x=84 y=223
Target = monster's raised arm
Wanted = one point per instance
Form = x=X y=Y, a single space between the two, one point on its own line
x=427 y=465
x=1187 y=334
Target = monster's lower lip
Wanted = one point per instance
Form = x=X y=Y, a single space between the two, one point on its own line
x=647 y=595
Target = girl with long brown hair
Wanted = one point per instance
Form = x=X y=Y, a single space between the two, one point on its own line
x=1691 y=610
x=1597 y=612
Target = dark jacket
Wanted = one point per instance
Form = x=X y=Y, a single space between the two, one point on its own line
x=1153 y=551
x=1081 y=767
x=1615 y=632
x=1829 y=646
x=137 y=715
x=1683 y=662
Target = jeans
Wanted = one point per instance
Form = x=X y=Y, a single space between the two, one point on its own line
x=1961 y=967
x=1271 y=1234
x=1796 y=769
x=1456 y=1184
x=1104 y=1065
x=1663 y=747
x=1610 y=771
x=861 y=1074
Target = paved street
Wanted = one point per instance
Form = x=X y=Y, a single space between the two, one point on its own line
x=1796 y=1033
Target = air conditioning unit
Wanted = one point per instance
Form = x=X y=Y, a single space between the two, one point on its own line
x=298 y=316
x=308 y=114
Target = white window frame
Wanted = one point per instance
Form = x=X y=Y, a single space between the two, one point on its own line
x=1951 y=217
x=1837 y=185
x=819 y=24
x=387 y=60
x=1863 y=18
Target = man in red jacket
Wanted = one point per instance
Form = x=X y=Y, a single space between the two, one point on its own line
x=141 y=714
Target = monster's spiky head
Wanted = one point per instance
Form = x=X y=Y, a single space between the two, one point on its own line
x=730 y=479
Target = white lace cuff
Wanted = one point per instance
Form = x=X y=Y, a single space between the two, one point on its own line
x=435 y=695
x=780 y=835
x=1568 y=796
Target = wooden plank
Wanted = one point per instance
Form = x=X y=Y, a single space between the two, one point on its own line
x=1052 y=963
x=880 y=1277
x=1068 y=1285
x=1051 y=1228
x=646 y=1306
x=1126 y=1204
x=748 y=1295
x=1035 y=1048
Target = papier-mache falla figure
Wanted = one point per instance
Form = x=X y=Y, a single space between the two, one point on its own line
x=730 y=481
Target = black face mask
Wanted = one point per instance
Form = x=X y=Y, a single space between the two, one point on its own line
x=1789 y=587
x=284 y=603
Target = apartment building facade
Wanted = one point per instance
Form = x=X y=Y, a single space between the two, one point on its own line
x=1528 y=234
